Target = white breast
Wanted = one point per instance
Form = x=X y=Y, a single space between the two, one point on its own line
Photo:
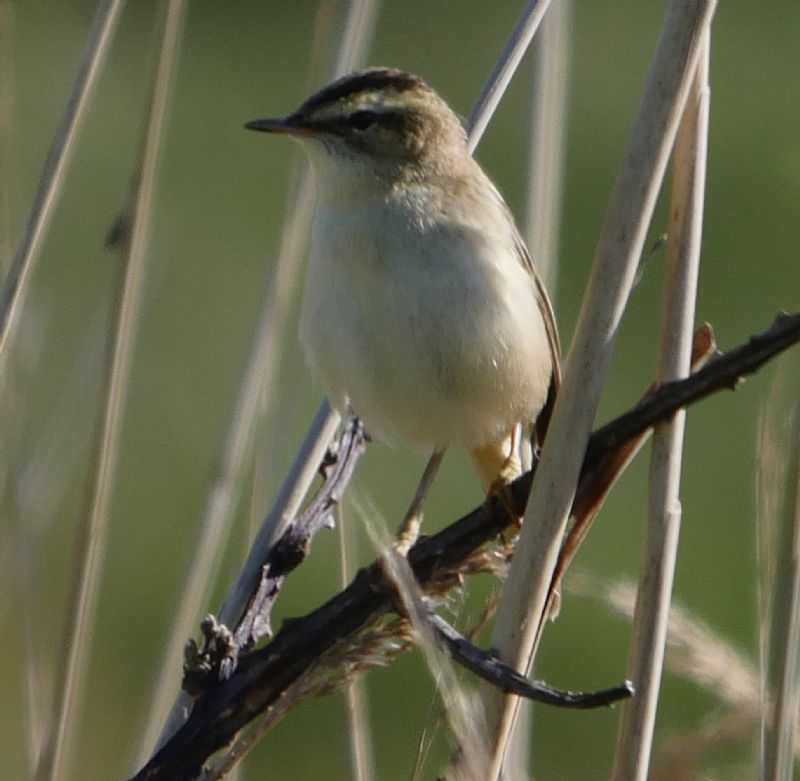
x=426 y=324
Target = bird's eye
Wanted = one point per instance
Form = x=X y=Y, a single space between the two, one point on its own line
x=361 y=120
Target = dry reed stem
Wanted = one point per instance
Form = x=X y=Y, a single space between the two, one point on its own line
x=700 y=655
x=779 y=570
x=493 y=90
x=614 y=269
x=505 y=67
x=54 y=762
x=357 y=36
x=36 y=484
x=319 y=53
x=460 y=705
x=32 y=481
x=255 y=393
x=546 y=147
x=6 y=113
x=657 y=568
x=359 y=734
x=547 y=140
x=695 y=651
x=17 y=281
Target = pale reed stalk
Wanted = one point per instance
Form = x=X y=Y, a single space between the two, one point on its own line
x=6 y=115
x=616 y=259
x=460 y=704
x=37 y=482
x=18 y=278
x=505 y=67
x=55 y=760
x=547 y=138
x=359 y=734
x=657 y=567
x=778 y=536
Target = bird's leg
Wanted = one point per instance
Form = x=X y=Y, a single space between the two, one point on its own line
x=512 y=467
x=409 y=530
x=499 y=463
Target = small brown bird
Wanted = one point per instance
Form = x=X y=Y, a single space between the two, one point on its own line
x=422 y=309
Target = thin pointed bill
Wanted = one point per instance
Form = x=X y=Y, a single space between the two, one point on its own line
x=285 y=125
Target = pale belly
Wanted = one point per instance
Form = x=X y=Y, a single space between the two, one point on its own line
x=435 y=343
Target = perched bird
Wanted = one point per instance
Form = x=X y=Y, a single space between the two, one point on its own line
x=422 y=310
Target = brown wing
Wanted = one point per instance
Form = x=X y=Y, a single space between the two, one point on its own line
x=546 y=308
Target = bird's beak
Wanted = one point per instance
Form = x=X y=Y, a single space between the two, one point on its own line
x=289 y=126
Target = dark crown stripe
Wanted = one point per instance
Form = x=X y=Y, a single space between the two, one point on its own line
x=371 y=79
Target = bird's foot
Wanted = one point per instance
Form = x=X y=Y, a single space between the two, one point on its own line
x=500 y=487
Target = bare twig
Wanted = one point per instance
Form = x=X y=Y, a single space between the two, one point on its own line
x=616 y=259
x=264 y=674
x=55 y=757
x=266 y=576
x=15 y=285
x=295 y=544
x=721 y=372
x=487 y=666
x=661 y=537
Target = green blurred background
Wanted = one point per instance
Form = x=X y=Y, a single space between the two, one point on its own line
x=219 y=210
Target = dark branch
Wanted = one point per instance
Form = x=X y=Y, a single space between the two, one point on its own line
x=263 y=675
x=295 y=544
x=487 y=666
x=596 y=480
x=725 y=371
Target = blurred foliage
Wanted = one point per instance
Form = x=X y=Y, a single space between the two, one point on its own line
x=219 y=210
